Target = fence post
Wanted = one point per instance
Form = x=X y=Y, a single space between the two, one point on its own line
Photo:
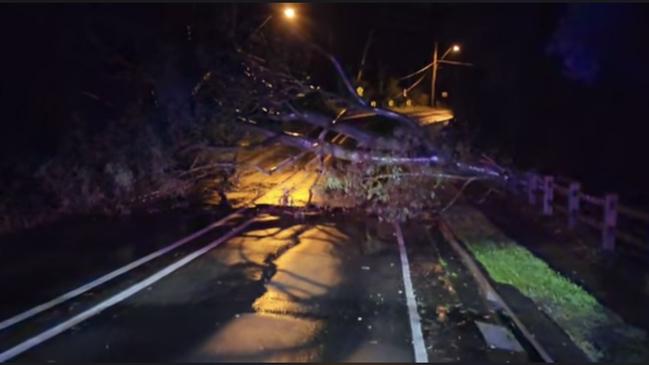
x=610 y=221
x=548 y=194
x=573 y=203
x=531 y=189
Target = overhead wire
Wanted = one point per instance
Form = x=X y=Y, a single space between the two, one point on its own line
x=417 y=72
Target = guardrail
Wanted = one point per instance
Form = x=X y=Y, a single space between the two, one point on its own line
x=613 y=220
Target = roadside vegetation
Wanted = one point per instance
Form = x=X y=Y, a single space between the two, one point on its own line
x=599 y=332
x=130 y=131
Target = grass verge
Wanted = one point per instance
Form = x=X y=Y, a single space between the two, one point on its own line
x=600 y=333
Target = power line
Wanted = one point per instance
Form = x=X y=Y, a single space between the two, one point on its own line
x=416 y=72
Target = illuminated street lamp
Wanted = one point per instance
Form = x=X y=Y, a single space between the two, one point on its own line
x=289 y=14
x=455 y=49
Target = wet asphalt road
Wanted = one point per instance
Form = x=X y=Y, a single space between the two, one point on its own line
x=318 y=289
x=321 y=288
x=325 y=288
x=40 y=264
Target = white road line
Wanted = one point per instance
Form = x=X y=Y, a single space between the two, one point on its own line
x=65 y=325
x=415 y=322
x=122 y=270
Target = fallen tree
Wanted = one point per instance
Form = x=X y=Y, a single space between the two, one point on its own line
x=384 y=173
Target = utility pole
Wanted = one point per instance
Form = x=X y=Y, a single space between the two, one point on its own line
x=434 y=77
x=437 y=60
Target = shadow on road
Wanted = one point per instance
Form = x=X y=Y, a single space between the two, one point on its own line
x=288 y=289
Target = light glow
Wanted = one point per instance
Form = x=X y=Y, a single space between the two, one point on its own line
x=289 y=13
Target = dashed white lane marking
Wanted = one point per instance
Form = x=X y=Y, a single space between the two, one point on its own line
x=415 y=321
x=122 y=270
x=65 y=325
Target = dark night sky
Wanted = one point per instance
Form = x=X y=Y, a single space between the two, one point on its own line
x=560 y=86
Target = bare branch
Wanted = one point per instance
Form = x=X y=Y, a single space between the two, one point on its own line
x=457 y=196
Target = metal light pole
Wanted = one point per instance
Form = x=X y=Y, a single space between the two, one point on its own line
x=261 y=25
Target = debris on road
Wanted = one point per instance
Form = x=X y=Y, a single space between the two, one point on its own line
x=498 y=337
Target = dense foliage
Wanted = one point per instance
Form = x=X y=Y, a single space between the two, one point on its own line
x=129 y=128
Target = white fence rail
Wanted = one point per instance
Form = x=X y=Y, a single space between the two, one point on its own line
x=600 y=213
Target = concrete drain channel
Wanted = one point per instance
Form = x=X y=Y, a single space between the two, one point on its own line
x=511 y=335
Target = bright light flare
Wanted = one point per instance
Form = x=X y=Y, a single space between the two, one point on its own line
x=456 y=48
x=289 y=13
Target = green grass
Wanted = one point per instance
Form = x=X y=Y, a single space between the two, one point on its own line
x=561 y=299
x=582 y=317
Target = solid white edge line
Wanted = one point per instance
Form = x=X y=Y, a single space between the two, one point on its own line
x=419 y=347
x=122 y=270
x=65 y=325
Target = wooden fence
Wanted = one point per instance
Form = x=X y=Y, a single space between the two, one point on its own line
x=616 y=222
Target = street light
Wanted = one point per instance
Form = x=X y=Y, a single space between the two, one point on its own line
x=455 y=49
x=289 y=14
